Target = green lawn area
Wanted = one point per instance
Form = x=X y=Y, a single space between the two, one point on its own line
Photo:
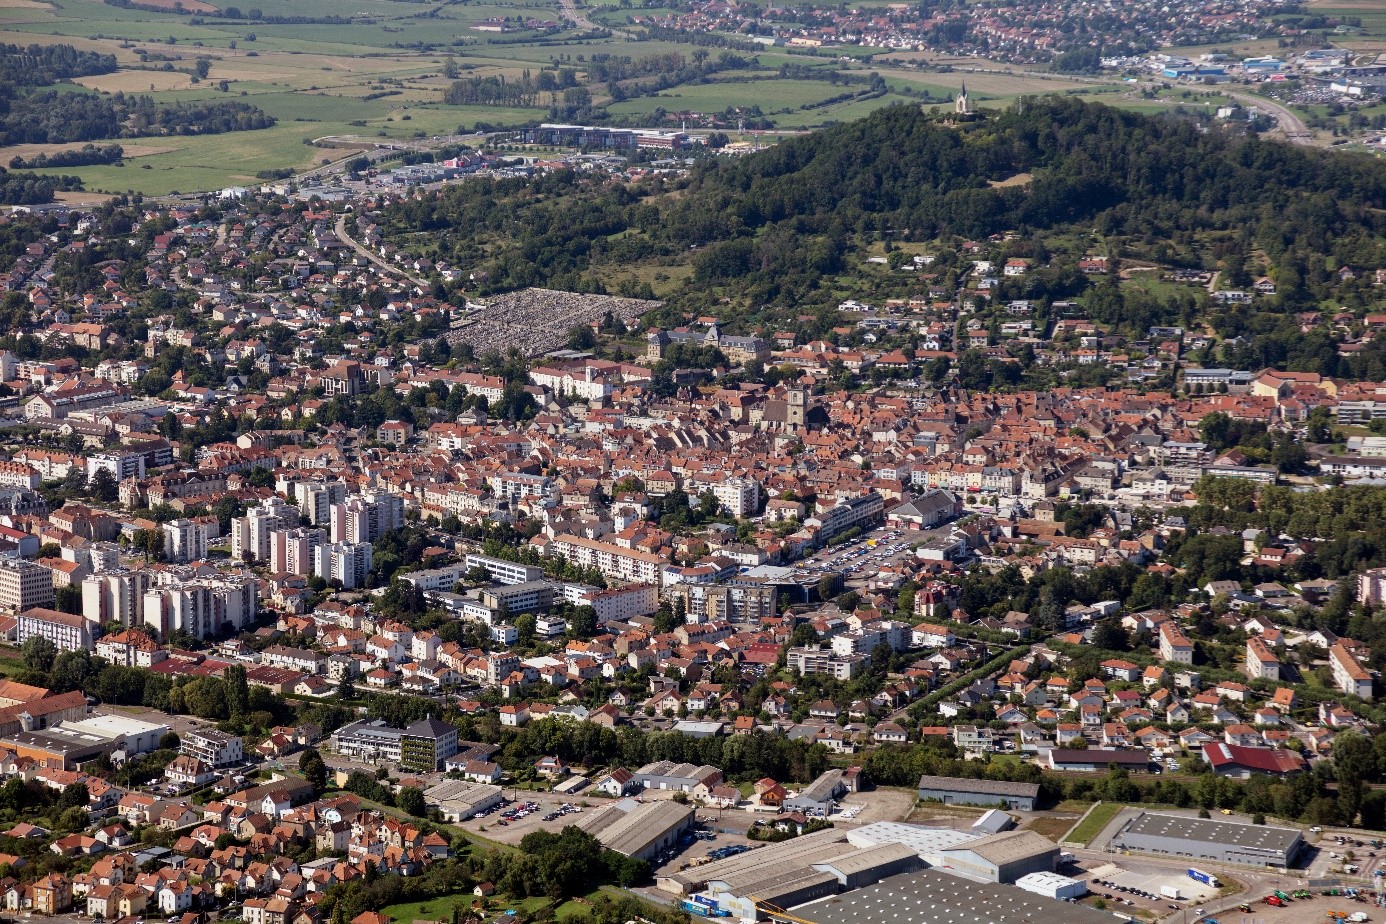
x=1092 y=825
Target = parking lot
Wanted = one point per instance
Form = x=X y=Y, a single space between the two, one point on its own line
x=526 y=812
x=859 y=560
x=1137 y=889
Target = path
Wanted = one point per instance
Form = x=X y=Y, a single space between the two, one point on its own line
x=365 y=252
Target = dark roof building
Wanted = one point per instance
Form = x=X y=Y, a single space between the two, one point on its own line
x=1209 y=839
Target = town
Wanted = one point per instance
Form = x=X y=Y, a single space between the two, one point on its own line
x=329 y=590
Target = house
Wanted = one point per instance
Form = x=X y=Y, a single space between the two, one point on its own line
x=618 y=783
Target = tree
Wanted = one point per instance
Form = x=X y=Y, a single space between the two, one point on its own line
x=314 y=769
x=39 y=653
x=68 y=599
x=104 y=486
x=411 y=800
x=1354 y=764
x=237 y=690
x=345 y=689
x=1110 y=634
x=526 y=624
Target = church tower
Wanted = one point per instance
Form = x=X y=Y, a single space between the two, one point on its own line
x=797 y=407
x=962 y=105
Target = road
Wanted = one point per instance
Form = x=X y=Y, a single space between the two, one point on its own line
x=369 y=255
x=1291 y=125
x=571 y=10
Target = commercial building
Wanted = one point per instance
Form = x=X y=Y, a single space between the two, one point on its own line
x=24 y=585
x=818 y=797
x=130 y=736
x=1052 y=885
x=426 y=744
x=432 y=580
x=792 y=872
x=935 y=897
x=1002 y=857
x=955 y=791
x=862 y=512
x=58 y=749
x=1209 y=839
x=458 y=800
x=1241 y=762
x=1097 y=760
x=501 y=571
x=665 y=774
x=638 y=829
x=531 y=596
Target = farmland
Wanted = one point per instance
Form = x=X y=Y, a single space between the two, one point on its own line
x=377 y=70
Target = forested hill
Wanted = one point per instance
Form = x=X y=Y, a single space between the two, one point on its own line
x=775 y=223
x=901 y=169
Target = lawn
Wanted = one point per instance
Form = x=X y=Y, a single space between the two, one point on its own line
x=1092 y=825
x=1050 y=826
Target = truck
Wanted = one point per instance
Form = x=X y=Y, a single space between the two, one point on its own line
x=1207 y=879
x=1282 y=896
x=1171 y=892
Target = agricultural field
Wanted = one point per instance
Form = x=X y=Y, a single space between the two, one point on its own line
x=374 y=70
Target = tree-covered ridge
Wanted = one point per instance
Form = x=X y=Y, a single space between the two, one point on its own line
x=777 y=222
x=902 y=170
x=42 y=65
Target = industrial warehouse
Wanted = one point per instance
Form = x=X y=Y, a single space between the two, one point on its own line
x=939 y=898
x=956 y=791
x=638 y=829
x=831 y=861
x=1208 y=839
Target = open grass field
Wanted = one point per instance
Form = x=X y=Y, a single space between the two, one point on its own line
x=1096 y=820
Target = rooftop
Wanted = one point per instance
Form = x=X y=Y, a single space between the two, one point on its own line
x=932 y=897
x=1231 y=834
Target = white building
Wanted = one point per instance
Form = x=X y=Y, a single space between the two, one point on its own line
x=66 y=631
x=294 y=551
x=346 y=562
x=24 y=585
x=114 y=596
x=250 y=534
x=200 y=606
x=187 y=540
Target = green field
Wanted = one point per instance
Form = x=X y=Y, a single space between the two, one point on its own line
x=1092 y=825
x=314 y=77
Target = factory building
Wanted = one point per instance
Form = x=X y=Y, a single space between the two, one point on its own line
x=1052 y=885
x=956 y=791
x=458 y=800
x=1002 y=857
x=1208 y=839
x=935 y=897
x=638 y=829
x=818 y=797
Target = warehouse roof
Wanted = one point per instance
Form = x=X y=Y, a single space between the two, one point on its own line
x=1264 y=837
x=1008 y=846
x=923 y=841
x=628 y=828
x=985 y=787
x=932 y=897
x=861 y=861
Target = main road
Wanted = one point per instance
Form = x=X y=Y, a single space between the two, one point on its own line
x=1291 y=125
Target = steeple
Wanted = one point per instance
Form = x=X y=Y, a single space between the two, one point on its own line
x=962 y=106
